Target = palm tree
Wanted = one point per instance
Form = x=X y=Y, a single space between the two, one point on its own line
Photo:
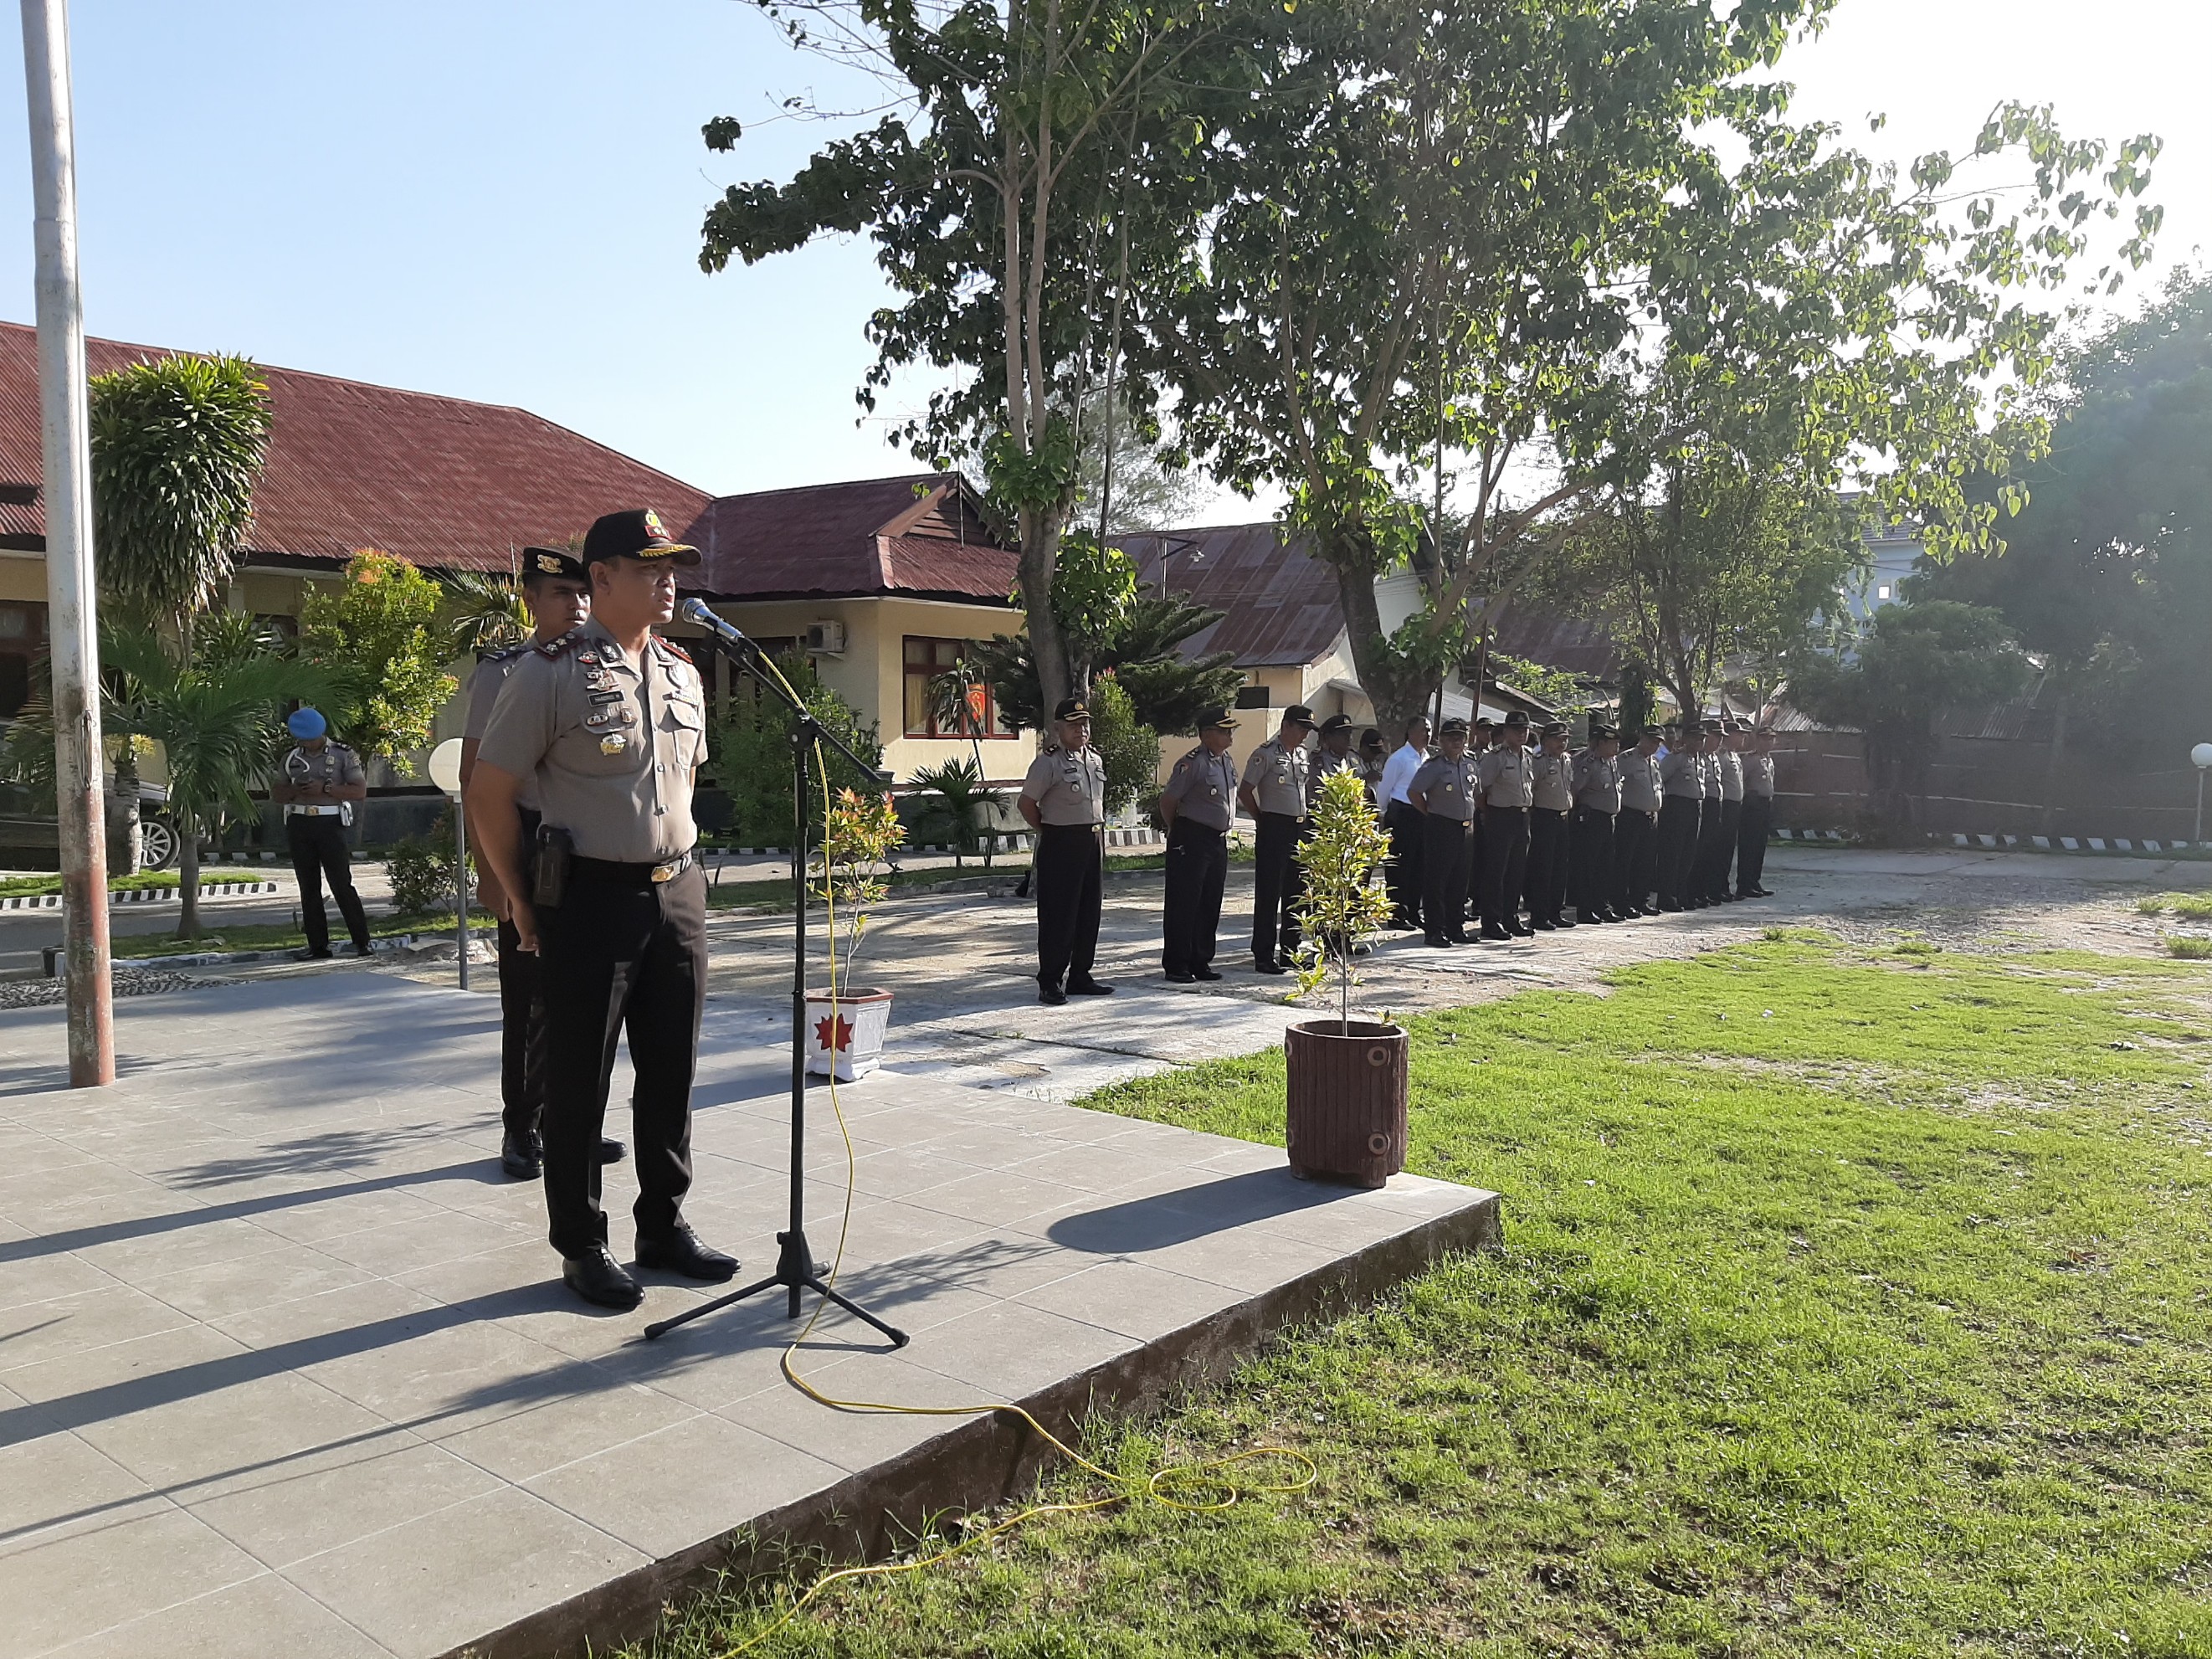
x=178 y=445
x=956 y=791
x=952 y=702
x=484 y=612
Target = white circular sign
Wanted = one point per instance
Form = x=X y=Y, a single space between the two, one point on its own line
x=2202 y=755
x=446 y=766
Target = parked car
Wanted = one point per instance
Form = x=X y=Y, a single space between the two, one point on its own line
x=30 y=835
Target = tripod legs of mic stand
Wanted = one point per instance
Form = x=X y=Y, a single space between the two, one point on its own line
x=795 y=1271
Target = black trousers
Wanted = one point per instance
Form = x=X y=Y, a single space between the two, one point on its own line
x=318 y=852
x=621 y=955
x=1751 y=831
x=1402 y=875
x=1547 y=863
x=1279 y=882
x=1504 y=862
x=521 y=1034
x=1447 y=863
x=1589 y=859
x=1190 y=917
x=1070 y=870
x=1635 y=859
x=1678 y=849
x=1715 y=846
x=1724 y=854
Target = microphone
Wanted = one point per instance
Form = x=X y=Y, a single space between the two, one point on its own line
x=731 y=635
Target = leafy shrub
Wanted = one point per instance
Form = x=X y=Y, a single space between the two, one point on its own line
x=2189 y=949
x=422 y=871
x=1130 y=749
x=749 y=755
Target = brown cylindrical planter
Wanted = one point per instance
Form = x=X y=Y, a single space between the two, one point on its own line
x=1347 y=1100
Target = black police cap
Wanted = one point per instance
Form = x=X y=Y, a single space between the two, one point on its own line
x=540 y=562
x=1299 y=714
x=1370 y=739
x=1070 y=708
x=635 y=534
x=1454 y=727
x=1556 y=729
x=1336 y=723
x=1517 y=717
x=1216 y=719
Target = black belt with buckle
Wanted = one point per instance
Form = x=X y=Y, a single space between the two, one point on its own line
x=613 y=870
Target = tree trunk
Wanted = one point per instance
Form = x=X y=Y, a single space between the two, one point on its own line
x=188 y=872
x=2051 y=768
x=1398 y=692
x=1040 y=534
x=126 y=793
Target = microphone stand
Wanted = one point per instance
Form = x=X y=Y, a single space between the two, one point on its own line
x=795 y=1266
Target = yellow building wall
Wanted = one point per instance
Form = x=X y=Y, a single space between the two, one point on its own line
x=23 y=576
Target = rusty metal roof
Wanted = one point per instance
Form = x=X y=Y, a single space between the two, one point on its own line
x=440 y=481
x=1279 y=605
x=921 y=533
x=1569 y=643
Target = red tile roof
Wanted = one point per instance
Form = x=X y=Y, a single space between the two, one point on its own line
x=438 y=481
x=921 y=534
x=1279 y=606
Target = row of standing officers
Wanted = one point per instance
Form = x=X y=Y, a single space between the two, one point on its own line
x=1676 y=822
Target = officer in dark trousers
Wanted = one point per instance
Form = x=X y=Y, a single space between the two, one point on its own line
x=1682 y=794
x=317 y=786
x=609 y=722
x=1758 y=815
x=1444 y=792
x=1733 y=737
x=1198 y=804
x=1636 y=831
x=1552 y=802
x=1063 y=798
x=1709 y=867
x=1597 y=810
x=557 y=593
x=1404 y=821
x=1507 y=778
x=1372 y=759
x=1274 y=793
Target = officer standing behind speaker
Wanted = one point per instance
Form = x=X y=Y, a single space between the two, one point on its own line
x=1682 y=796
x=1552 y=800
x=1708 y=864
x=1063 y=798
x=557 y=593
x=1758 y=815
x=318 y=787
x=609 y=723
x=1730 y=760
x=1274 y=793
x=1507 y=777
x=1405 y=823
x=1444 y=792
x=1597 y=810
x=1197 y=805
x=1636 y=831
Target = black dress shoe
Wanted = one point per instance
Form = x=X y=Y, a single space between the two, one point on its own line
x=681 y=1252
x=1435 y=941
x=311 y=955
x=1051 y=995
x=1494 y=933
x=522 y=1157
x=611 y=1151
x=1260 y=967
x=600 y=1280
x=1541 y=924
x=1589 y=918
x=1522 y=930
x=1205 y=973
x=1088 y=987
x=1182 y=979
x=364 y=950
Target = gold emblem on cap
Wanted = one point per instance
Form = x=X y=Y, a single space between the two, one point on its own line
x=548 y=564
x=652 y=522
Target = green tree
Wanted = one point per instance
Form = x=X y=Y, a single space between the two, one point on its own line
x=749 y=755
x=178 y=445
x=1129 y=748
x=999 y=192
x=1914 y=661
x=956 y=798
x=1143 y=654
x=375 y=636
x=483 y=612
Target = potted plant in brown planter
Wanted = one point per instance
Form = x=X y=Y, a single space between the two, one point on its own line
x=848 y=1021
x=1347 y=1077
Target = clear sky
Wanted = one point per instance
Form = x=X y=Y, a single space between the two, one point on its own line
x=502 y=200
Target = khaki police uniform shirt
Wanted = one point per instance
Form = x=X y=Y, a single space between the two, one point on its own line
x=484 y=692
x=1203 y=787
x=611 y=740
x=1597 y=783
x=1325 y=763
x=1679 y=774
x=1731 y=774
x=1449 y=786
x=1709 y=776
x=1553 y=788
x=1068 y=786
x=1759 y=775
x=1278 y=777
x=1640 y=783
x=1507 y=776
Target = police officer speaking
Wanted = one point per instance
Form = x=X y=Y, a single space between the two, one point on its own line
x=1275 y=793
x=320 y=783
x=1197 y=805
x=1064 y=800
x=608 y=722
x=557 y=593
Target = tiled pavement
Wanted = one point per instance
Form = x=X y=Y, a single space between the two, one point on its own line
x=284 y=1368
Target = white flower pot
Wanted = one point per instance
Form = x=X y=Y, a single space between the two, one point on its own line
x=851 y=1035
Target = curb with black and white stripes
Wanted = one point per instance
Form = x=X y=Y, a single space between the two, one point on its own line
x=139 y=894
x=2002 y=842
x=1013 y=843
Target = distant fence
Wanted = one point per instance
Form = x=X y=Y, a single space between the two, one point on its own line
x=1989 y=785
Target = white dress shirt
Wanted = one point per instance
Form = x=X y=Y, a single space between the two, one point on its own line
x=1398 y=772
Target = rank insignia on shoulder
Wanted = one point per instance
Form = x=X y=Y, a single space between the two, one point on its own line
x=553 y=648
x=674 y=649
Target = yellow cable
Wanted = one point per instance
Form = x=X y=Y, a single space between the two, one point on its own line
x=1210 y=1489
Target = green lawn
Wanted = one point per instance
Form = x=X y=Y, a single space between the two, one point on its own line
x=282 y=936
x=36 y=885
x=1853 y=1302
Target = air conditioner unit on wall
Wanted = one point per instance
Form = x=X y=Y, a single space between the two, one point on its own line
x=828 y=637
